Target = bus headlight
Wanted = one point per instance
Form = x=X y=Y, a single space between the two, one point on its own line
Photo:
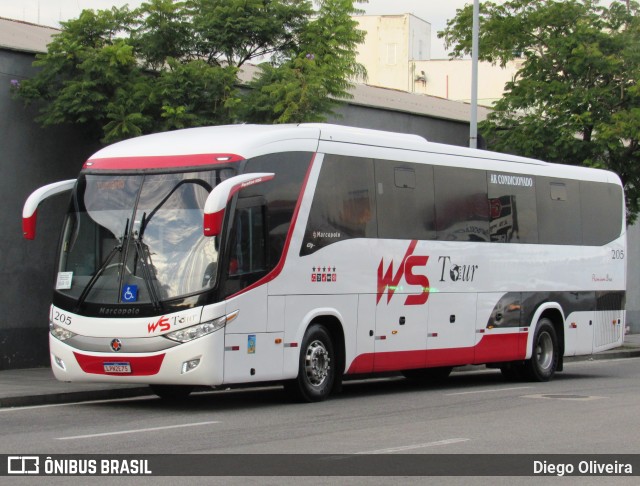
x=60 y=332
x=202 y=329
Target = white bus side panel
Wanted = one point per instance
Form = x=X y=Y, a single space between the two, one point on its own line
x=253 y=357
x=400 y=333
x=254 y=345
x=578 y=333
x=451 y=329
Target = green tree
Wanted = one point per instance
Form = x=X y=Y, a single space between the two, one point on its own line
x=173 y=64
x=315 y=74
x=576 y=98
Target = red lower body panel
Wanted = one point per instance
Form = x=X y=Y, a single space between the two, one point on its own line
x=491 y=349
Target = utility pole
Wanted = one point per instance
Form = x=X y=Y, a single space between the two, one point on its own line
x=473 y=126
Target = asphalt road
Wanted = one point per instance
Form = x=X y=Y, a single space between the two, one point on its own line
x=590 y=408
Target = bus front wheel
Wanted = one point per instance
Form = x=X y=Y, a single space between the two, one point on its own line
x=545 y=354
x=316 y=366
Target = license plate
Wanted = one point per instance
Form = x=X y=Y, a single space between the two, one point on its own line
x=117 y=367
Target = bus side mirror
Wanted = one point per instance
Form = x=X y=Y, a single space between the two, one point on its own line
x=30 y=209
x=222 y=193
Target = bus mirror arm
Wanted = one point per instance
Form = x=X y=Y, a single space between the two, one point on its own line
x=30 y=209
x=217 y=200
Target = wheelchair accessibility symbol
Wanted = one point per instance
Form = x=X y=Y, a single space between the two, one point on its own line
x=130 y=293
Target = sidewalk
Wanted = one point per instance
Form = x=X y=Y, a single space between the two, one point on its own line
x=37 y=386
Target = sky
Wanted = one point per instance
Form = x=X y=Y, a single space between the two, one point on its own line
x=51 y=12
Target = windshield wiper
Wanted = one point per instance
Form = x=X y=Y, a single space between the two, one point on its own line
x=103 y=266
x=142 y=251
x=145 y=221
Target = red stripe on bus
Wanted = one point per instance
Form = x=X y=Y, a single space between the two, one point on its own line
x=160 y=161
x=491 y=349
x=140 y=365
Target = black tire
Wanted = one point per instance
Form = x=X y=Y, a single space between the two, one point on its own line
x=172 y=393
x=429 y=375
x=545 y=354
x=316 y=367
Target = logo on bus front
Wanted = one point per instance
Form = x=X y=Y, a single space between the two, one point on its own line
x=162 y=324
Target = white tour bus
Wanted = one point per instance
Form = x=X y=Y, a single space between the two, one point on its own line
x=299 y=254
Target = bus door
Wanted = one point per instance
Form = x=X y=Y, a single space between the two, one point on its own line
x=251 y=352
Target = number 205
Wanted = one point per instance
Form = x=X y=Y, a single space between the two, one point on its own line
x=617 y=254
x=61 y=318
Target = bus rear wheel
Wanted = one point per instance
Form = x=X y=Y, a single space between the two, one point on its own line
x=316 y=367
x=545 y=354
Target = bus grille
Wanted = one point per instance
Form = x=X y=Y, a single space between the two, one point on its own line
x=609 y=319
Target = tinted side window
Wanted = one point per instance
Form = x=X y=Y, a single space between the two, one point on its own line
x=462 y=208
x=405 y=200
x=247 y=253
x=601 y=206
x=281 y=194
x=343 y=204
x=512 y=208
x=247 y=242
x=558 y=203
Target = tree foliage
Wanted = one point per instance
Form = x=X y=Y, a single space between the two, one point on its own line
x=575 y=98
x=317 y=72
x=173 y=64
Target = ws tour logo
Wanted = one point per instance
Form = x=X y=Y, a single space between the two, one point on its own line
x=413 y=269
x=388 y=281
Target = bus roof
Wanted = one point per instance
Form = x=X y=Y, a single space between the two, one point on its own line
x=246 y=141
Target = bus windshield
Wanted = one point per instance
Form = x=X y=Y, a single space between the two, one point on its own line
x=138 y=238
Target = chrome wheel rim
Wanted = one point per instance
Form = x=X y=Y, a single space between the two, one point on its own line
x=317 y=363
x=544 y=351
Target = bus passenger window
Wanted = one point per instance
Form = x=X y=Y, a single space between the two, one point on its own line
x=559 y=215
x=512 y=208
x=343 y=205
x=405 y=200
x=462 y=205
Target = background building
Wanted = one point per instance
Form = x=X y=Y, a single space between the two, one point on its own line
x=397 y=55
x=392 y=46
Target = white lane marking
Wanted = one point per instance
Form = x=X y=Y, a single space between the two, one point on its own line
x=391 y=450
x=90 y=402
x=492 y=390
x=559 y=396
x=137 y=431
